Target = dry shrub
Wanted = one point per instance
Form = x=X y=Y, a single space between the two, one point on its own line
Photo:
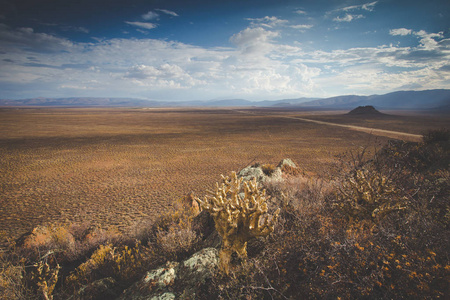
x=86 y=272
x=173 y=234
x=177 y=239
x=54 y=238
x=268 y=169
x=435 y=136
x=301 y=191
x=12 y=283
x=124 y=264
x=131 y=262
x=68 y=242
x=291 y=171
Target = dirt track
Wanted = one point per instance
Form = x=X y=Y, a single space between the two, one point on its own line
x=374 y=131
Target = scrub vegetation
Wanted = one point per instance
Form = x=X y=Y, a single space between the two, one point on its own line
x=108 y=195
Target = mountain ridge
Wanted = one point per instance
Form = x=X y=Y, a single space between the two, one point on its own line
x=413 y=100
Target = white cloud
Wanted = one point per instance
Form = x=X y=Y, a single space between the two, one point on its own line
x=150 y=16
x=356 y=10
x=253 y=41
x=166 y=75
x=267 y=21
x=145 y=25
x=300 y=12
x=367 y=6
x=167 y=12
x=428 y=40
x=302 y=26
x=257 y=66
x=400 y=31
x=348 y=18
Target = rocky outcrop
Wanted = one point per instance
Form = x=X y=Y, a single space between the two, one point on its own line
x=256 y=171
x=101 y=289
x=175 y=280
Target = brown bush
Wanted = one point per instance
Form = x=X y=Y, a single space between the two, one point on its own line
x=12 y=283
x=268 y=169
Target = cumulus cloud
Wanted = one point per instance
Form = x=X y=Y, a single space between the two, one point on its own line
x=428 y=41
x=166 y=75
x=254 y=40
x=145 y=25
x=400 y=31
x=253 y=36
x=257 y=66
x=348 y=18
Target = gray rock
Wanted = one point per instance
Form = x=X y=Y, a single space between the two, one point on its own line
x=101 y=289
x=288 y=162
x=250 y=172
x=176 y=280
x=255 y=171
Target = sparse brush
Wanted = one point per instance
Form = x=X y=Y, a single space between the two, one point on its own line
x=268 y=169
x=130 y=262
x=435 y=136
x=12 y=281
x=177 y=240
x=86 y=271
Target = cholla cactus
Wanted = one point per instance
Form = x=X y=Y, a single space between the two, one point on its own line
x=44 y=277
x=369 y=195
x=240 y=213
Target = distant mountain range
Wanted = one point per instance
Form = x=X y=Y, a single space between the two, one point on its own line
x=414 y=100
x=429 y=99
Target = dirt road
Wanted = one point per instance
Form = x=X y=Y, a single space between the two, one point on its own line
x=380 y=132
x=374 y=131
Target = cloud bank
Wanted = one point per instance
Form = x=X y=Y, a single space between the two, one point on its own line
x=258 y=64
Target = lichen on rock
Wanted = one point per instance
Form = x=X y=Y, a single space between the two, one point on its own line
x=176 y=280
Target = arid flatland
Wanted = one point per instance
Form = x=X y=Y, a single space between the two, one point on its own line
x=120 y=166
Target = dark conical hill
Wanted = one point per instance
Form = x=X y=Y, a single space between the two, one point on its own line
x=365 y=110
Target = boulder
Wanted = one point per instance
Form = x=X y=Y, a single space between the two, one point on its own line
x=256 y=171
x=176 y=280
x=287 y=162
x=253 y=171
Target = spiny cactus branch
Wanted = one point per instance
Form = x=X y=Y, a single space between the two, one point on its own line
x=240 y=213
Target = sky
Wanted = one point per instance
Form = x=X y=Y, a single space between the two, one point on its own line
x=222 y=49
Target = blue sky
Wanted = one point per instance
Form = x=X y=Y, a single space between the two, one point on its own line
x=199 y=50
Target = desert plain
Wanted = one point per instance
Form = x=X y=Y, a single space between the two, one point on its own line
x=119 y=167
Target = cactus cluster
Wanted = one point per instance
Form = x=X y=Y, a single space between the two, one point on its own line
x=240 y=213
x=369 y=195
x=45 y=277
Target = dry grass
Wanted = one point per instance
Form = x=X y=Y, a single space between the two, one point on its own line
x=114 y=167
